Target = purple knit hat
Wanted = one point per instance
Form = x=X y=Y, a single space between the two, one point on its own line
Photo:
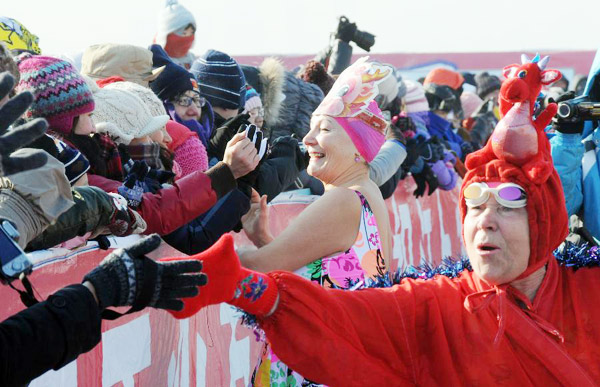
x=60 y=92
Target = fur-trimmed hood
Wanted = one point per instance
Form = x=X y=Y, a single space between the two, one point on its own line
x=268 y=80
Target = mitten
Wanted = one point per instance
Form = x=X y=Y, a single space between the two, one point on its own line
x=124 y=221
x=21 y=135
x=126 y=277
x=228 y=281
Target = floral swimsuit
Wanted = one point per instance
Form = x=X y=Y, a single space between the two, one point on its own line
x=346 y=270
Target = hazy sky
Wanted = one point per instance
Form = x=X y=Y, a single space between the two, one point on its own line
x=303 y=27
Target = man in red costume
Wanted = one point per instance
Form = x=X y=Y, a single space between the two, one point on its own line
x=516 y=318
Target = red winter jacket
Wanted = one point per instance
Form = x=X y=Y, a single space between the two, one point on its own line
x=189 y=197
x=432 y=333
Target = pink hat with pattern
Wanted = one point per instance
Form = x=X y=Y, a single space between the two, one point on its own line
x=351 y=102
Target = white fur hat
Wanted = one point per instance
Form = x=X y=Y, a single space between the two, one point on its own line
x=124 y=116
x=172 y=18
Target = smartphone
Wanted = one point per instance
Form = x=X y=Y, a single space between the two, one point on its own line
x=13 y=259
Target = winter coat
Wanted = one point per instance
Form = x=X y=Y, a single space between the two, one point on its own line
x=179 y=204
x=268 y=80
x=205 y=230
x=92 y=210
x=301 y=100
x=441 y=331
x=48 y=335
x=577 y=162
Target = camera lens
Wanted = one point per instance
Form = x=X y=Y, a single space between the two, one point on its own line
x=564 y=110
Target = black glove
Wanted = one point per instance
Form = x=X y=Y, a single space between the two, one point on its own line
x=424 y=179
x=566 y=126
x=396 y=131
x=288 y=146
x=246 y=182
x=431 y=150
x=256 y=135
x=21 y=135
x=466 y=148
x=221 y=136
x=126 y=277
x=155 y=178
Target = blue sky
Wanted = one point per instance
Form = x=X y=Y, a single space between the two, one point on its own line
x=303 y=27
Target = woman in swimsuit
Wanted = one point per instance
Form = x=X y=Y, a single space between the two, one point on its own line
x=343 y=237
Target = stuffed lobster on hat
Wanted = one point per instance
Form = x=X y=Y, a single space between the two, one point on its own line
x=518 y=152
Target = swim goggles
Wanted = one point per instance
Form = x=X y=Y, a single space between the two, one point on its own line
x=507 y=194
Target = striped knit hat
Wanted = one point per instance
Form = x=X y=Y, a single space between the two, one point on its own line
x=60 y=93
x=221 y=80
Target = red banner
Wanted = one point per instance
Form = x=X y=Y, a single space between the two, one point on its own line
x=150 y=348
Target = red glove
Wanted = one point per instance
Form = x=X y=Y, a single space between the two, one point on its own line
x=228 y=281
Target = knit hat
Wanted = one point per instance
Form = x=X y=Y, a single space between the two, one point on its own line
x=7 y=63
x=132 y=63
x=122 y=115
x=444 y=76
x=314 y=72
x=221 y=79
x=17 y=37
x=189 y=151
x=60 y=93
x=171 y=19
x=174 y=80
x=470 y=103
x=76 y=165
x=486 y=83
x=149 y=99
x=351 y=103
x=252 y=99
x=415 y=100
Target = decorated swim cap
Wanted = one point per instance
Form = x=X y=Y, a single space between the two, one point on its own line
x=519 y=152
x=17 y=37
x=351 y=102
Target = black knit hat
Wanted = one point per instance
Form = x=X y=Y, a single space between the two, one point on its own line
x=174 y=79
x=221 y=79
x=486 y=83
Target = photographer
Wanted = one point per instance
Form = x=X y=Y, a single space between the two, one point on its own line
x=338 y=55
x=52 y=333
x=575 y=159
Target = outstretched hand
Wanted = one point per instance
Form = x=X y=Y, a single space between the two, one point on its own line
x=256 y=221
x=126 y=277
x=12 y=140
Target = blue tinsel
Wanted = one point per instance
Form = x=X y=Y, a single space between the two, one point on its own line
x=568 y=255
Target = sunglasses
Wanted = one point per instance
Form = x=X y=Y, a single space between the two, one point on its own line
x=188 y=101
x=507 y=194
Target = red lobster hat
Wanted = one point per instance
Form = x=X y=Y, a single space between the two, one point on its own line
x=508 y=158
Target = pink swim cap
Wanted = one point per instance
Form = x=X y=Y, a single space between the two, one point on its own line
x=351 y=102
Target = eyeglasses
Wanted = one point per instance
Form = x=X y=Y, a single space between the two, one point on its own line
x=186 y=101
x=507 y=194
x=257 y=112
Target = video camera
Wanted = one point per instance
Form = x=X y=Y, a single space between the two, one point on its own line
x=349 y=32
x=579 y=109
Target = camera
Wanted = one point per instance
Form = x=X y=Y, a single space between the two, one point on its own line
x=349 y=32
x=13 y=259
x=579 y=109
